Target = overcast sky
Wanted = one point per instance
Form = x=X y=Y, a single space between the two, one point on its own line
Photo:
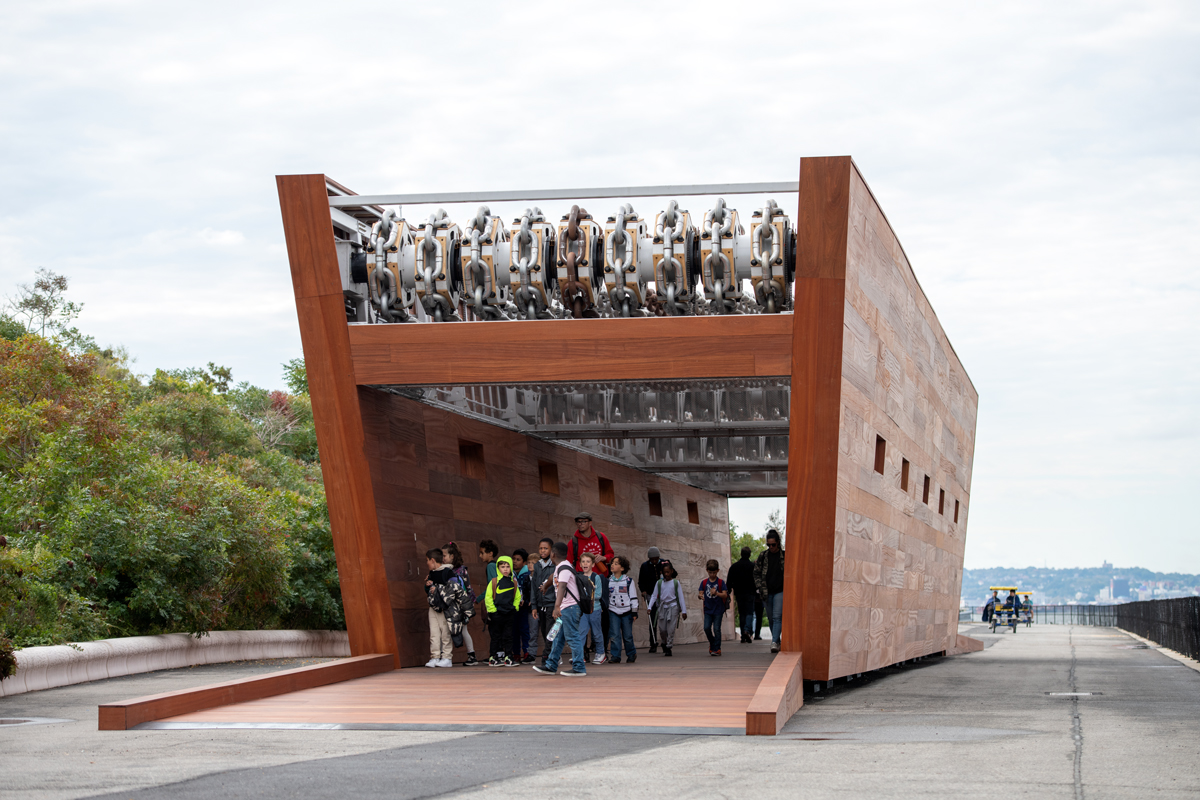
x=1038 y=161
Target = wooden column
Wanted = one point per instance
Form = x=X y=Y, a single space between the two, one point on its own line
x=820 y=290
x=308 y=231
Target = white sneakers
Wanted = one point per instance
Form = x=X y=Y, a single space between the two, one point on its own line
x=433 y=662
x=600 y=658
x=439 y=662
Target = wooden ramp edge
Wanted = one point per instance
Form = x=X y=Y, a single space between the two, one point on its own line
x=126 y=714
x=780 y=695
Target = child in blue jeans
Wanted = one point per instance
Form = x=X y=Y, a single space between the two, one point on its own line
x=591 y=622
x=622 y=611
x=715 y=595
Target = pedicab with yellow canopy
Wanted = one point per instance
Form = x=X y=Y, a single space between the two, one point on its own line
x=1004 y=616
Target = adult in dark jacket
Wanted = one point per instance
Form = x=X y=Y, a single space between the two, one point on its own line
x=768 y=579
x=990 y=608
x=741 y=583
x=648 y=575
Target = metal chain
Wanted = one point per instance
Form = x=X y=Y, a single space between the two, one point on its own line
x=770 y=291
x=717 y=223
x=524 y=258
x=574 y=293
x=621 y=249
x=665 y=230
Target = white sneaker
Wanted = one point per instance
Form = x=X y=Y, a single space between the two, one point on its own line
x=433 y=662
x=444 y=662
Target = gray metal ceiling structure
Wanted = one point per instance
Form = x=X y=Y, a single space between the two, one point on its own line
x=728 y=436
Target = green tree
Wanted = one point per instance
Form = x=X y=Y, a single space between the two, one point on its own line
x=295 y=375
x=43 y=304
x=11 y=328
x=776 y=520
x=175 y=504
x=739 y=539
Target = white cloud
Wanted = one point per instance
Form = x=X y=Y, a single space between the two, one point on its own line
x=1040 y=164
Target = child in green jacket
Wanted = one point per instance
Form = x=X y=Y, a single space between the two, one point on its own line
x=502 y=599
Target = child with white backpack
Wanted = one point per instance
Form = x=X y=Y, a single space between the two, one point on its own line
x=669 y=605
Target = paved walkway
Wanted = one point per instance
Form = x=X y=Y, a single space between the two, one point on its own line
x=993 y=724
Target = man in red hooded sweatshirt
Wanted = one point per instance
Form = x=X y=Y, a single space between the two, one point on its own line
x=589 y=540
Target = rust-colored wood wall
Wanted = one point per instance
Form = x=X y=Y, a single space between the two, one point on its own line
x=424 y=500
x=882 y=567
x=308 y=230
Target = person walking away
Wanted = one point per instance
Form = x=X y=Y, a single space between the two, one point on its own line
x=502 y=598
x=648 y=575
x=667 y=600
x=452 y=556
x=714 y=595
x=591 y=621
x=441 y=645
x=768 y=578
x=589 y=540
x=740 y=580
x=543 y=593
x=622 y=611
x=568 y=611
x=520 y=558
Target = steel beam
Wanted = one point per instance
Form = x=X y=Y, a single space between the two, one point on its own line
x=529 y=195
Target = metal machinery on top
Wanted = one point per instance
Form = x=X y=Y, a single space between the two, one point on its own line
x=727 y=436
x=394 y=271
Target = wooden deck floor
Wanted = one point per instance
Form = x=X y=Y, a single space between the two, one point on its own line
x=688 y=693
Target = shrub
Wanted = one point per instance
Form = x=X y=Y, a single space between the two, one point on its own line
x=8 y=659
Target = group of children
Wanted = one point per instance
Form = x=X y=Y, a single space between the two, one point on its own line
x=582 y=599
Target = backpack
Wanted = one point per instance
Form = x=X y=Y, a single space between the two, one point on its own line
x=722 y=586
x=678 y=589
x=585 y=592
x=573 y=547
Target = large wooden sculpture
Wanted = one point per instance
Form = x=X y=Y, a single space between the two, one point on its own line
x=881 y=426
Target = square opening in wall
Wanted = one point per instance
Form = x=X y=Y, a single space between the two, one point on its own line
x=655 y=504
x=904 y=475
x=880 y=454
x=470 y=460
x=608 y=492
x=956 y=511
x=693 y=512
x=925 y=492
x=548 y=475
x=941 y=501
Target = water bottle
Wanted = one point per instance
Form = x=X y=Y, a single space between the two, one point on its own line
x=552 y=634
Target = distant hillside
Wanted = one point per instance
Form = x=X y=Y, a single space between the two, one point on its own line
x=1086 y=585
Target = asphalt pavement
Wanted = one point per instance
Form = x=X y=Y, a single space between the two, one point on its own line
x=1051 y=711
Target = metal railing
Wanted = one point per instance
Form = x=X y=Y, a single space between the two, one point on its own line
x=1173 y=623
x=1056 y=615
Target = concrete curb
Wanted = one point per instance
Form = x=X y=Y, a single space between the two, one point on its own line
x=1166 y=651
x=61 y=665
